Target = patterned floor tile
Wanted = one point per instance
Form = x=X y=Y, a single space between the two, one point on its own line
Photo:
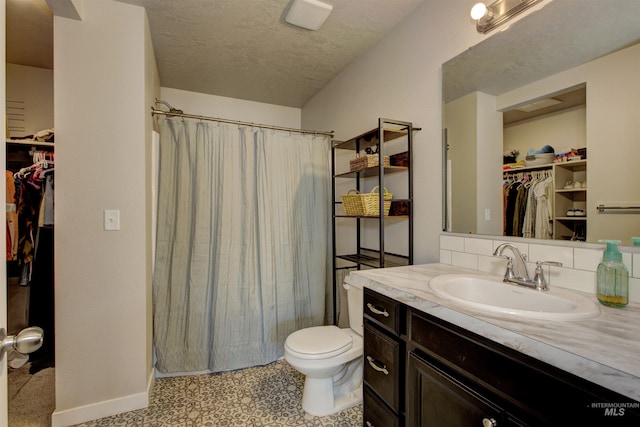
x=266 y=396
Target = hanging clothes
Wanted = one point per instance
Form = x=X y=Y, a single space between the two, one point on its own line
x=527 y=210
x=30 y=237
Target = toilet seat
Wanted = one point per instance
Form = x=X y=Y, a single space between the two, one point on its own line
x=318 y=342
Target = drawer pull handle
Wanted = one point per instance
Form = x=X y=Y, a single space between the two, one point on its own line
x=374 y=364
x=376 y=310
x=370 y=424
x=489 y=422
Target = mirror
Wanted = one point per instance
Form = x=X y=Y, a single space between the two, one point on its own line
x=583 y=54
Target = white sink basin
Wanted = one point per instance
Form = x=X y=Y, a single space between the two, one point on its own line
x=488 y=294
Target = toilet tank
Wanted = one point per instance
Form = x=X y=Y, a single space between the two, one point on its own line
x=355 y=297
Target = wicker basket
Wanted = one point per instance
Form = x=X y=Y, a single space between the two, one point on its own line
x=367 y=161
x=358 y=204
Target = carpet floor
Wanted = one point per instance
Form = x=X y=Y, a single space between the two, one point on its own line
x=31 y=397
x=263 y=396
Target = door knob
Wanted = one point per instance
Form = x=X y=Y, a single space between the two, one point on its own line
x=26 y=341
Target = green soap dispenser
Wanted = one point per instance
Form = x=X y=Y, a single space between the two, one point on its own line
x=613 y=277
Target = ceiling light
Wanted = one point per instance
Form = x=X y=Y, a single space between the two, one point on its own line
x=500 y=11
x=309 y=14
x=478 y=11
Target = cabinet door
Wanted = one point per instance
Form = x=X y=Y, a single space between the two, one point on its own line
x=436 y=399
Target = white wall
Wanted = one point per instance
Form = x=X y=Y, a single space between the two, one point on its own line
x=103 y=87
x=400 y=78
x=230 y=108
x=34 y=87
x=579 y=264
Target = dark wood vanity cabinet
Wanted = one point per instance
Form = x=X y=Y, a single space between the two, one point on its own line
x=458 y=378
x=384 y=361
x=441 y=375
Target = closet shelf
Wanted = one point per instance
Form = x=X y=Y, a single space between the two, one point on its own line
x=571 y=190
x=30 y=143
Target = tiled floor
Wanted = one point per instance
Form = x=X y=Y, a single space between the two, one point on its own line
x=263 y=396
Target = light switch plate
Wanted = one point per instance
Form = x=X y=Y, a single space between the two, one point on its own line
x=111 y=220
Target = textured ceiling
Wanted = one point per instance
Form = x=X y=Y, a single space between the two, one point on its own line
x=244 y=49
x=237 y=48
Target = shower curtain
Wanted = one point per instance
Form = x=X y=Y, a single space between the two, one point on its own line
x=241 y=252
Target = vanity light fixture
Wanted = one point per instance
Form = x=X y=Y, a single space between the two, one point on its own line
x=500 y=11
x=308 y=14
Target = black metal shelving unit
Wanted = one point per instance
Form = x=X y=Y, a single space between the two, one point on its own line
x=363 y=258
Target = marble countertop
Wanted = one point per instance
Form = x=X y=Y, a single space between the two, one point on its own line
x=604 y=350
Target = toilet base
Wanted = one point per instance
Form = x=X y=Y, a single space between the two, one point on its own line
x=326 y=396
x=319 y=399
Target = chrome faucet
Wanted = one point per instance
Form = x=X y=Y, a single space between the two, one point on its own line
x=538 y=282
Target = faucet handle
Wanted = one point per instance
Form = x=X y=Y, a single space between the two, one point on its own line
x=509 y=274
x=539 y=279
x=539 y=264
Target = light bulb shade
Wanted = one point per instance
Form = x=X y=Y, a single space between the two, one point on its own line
x=309 y=14
x=478 y=11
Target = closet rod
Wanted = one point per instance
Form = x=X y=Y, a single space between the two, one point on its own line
x=178 y=113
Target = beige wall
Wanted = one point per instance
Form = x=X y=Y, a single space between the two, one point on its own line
x=103 y=82
x=34 y=87
x=562 y=130
x=489 y=166
x=612 y=135
x=152 y=91
x=460 y=119
x=400 y=78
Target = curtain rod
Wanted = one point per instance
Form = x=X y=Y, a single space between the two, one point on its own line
x=178 y=113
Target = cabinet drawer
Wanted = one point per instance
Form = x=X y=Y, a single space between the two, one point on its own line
x=383 y=368
x=376 y=413
x=383 y=310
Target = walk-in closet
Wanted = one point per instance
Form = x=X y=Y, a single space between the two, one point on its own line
x=30 y=224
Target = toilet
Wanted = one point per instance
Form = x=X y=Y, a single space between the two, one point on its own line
x=331 y=360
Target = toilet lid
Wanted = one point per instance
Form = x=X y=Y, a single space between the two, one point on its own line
x=319 y=342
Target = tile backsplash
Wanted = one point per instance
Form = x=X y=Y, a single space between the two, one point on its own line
x=579 y=264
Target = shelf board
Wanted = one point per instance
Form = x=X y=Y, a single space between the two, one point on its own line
x=571 y=164
x=371 y=216
x=371 y=258
x=570 y=190
x=571 y=218
x=372 y=171
x=369 y=139
x=30 y=142
x=528 y=168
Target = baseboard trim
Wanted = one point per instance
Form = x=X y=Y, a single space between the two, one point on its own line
x=103 y=409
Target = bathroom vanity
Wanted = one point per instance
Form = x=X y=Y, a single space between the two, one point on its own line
x=429 y=362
